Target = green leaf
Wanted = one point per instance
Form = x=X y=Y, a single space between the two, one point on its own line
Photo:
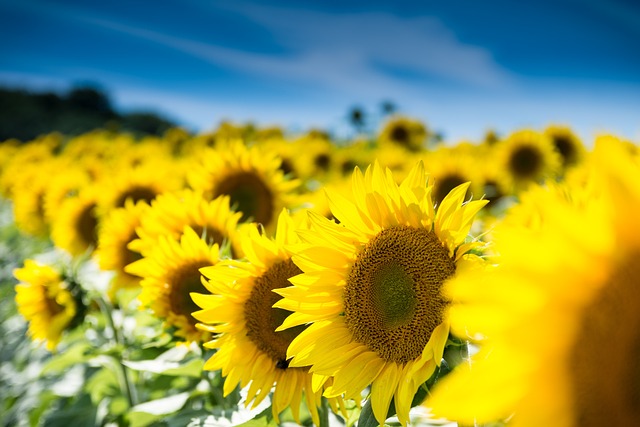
x=166 y=405
x=72 y=356
x=81 y=413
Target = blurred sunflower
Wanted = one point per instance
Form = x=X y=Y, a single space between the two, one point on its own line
x=371 y=287
x=526 y=157
x=44 y=300
x=567 y=144
x=28 y=195
x=449 y=168
x=74 y=224
x=212 y=220
x=63 y=186
x=408 y=133
x=140 y=183
x=561 y=333
x=249 y=350
x=170 y=271
x=251 y=178
x=116 y=231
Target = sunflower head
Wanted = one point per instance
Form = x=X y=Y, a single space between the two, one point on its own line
x=48 y=302
x=251 y=177
x=170 y=271
x=115 y=234
x=371 y=284
x=250 y=349
x=527 y=157
x=75 y=223
x=575 y=302
x=567 y=144
x=213 y=220
x=404 y=132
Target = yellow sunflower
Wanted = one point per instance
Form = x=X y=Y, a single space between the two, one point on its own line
x=567 y=144
x=371 y=287
x=44 y=301
x=448 y=168
x=251 y=177
x=213 y=220
x=408 y=133
x=527 y=157
x=75 y=222
x=170 y=271
x=249 y=350
x=143 y=182
x=117 y=230
x=560 y=313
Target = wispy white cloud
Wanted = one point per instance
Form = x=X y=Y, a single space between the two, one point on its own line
x=347 y=53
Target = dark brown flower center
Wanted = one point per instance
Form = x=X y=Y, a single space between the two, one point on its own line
x=250 y=195
x=262 y=319
x=182 y=282
x=392 y=299
x=525 y=162
x=86 y=226
x=136 y=193
x=605 y=368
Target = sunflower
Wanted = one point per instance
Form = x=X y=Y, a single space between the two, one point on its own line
x=117 y=230
x=143 y=182
x=567 y=144
x=405 y=132
x=249 y=176
x=28 y=194
x=213 y=220
x=63 y=186
x=559 y=315
x=44 y=300
x=448 y=168
x=371 y=287
x=526 y=157
x=75 y=222
x=170 y=271
x=249 y=350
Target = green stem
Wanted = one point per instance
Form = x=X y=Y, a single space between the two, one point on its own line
x=125 y=384
x=323 y=412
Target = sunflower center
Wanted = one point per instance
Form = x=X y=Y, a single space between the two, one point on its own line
x=250 y=195
x=209 y=234
x=136 y=194
x=182 y=282
x=322 y=161
x=445 y=184
x=525 y=162
x=287 y=168
x=392 y=298
x=262 y=319
x=605 y=367
x=566 y=149
x=87 y=225
x=400 y=134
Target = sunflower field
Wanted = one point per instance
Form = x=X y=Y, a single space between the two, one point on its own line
x=246 y=277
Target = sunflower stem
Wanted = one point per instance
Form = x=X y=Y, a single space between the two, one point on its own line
x=324 y=412
x=125 y=384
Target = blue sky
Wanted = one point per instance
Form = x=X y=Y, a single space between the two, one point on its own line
x=461 y=66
